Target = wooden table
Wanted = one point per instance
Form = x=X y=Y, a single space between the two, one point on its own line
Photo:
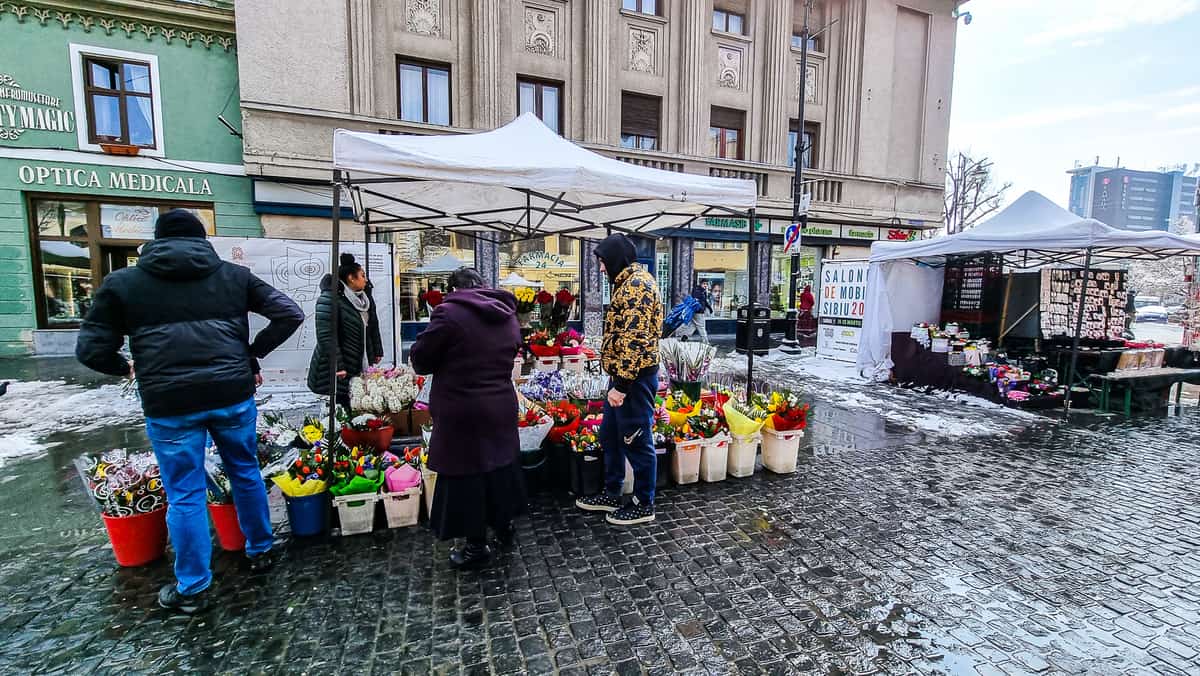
x=1163 y=375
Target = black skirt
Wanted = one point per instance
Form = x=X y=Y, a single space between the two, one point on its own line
x=464 y=506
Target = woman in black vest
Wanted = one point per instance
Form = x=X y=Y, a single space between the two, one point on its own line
x=359 y=342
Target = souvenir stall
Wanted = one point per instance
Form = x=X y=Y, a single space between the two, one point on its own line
x=959 y=312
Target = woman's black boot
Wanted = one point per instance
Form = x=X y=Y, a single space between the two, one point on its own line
x=470 y=556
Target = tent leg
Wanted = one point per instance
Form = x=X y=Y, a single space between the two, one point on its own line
x=333 y=316
x=1087 y=266
x=751 y=267
x=1004 y=311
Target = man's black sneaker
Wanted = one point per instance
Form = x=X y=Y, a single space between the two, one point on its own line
x=170 y=598
x=600 y=502
x=260 y=563
x=505 y=535
x=470 y=557
x=631 y=515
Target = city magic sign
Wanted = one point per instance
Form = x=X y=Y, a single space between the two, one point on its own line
x=113 y=180
x=22 y=110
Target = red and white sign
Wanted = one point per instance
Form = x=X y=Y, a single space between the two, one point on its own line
x=841 y=308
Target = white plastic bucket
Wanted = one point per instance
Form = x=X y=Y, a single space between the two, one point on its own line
x=685 y=464
x=743 y=451
x=402 y=508
x=714 y=458
x=627 y=487
x=781 y=450
x=356 y=513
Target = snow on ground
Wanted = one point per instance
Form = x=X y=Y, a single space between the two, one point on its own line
x=950 y=414
x=1167 y=334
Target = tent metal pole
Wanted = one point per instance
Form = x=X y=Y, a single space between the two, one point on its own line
x=1087 y=267
x=336 y=292
x=752 y=268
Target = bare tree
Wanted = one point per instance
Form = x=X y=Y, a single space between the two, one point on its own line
x=971 y=193
x=1167 y=278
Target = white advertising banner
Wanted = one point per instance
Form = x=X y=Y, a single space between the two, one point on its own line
x=296 y=268
x=127 y=221
x=841 y=308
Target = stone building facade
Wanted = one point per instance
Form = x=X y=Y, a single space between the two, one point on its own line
x=699 y=86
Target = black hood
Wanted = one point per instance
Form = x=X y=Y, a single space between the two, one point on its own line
x=618 y=253
x=179 y=258
x=493 y=306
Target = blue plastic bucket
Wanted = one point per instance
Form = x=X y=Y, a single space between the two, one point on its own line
x=309 y=515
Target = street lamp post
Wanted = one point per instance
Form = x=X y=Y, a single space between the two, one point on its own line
x=798 y=178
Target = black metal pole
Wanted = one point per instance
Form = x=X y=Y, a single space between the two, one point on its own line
x=752 y=268
x=798 y=179
x=336 y=291
x=1087 y=266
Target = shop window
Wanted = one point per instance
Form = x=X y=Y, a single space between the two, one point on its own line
x=424 y=92
x=78 y=242
x=729 y=22
x=722 y=273
x=543 y=99
x=640 y=121
x=641 y=6
x=423 y=260
x=725 y=133
x=807 y=273
x=536 y=261
x=808 y=146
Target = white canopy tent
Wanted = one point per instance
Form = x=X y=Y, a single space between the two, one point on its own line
x=520 y=181
x=514 y=279
x=905 y=278
x=443 y=263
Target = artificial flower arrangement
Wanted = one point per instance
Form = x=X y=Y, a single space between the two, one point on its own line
x=544 y=386
x=122 y=483
x=787 y=413
x=566 y=417
x=569 y=342
x=526 y=298
x=542 y=344
x=385 y=390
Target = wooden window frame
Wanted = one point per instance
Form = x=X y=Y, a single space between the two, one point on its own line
x=538 y=85
x=122 y=96
x=641 y=134
x=720 y=120
x=94 y=239
x=425 y=67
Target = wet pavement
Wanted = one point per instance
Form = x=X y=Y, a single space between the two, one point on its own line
x=1051 y=548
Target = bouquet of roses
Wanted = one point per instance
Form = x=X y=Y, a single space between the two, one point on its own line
x=542 y=344
x=787 y=413
x=584 y=441
x=525 y=299
x=384 y=390
x=707 y=424
x=364 y=422
x=569 y=342
x=544 y=300
x=122 y=483
x=532 y=427
x=432 y=297
x=566 y=418
x=559 y=311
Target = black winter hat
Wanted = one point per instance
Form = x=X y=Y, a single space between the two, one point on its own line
x=179 y=223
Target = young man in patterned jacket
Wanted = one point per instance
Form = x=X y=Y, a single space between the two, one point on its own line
x=632 y=326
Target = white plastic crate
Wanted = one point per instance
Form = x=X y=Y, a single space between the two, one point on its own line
x=781 y=450
x=743 y=451
x=402 y=508
x=574 y=362
x=356 y=512
x=685 y=464
x=714 y=458
x=547 y=363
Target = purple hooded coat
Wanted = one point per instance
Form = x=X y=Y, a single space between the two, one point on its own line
x=469 y=347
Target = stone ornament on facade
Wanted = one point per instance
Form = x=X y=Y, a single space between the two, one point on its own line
x=642 y=50
x=539 y=31
x=10 y=134
x=423 y=17
x=130 y=28
x=810 y=83
x=729 y=68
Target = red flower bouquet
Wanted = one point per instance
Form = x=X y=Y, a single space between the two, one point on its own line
x=566 y=419
x=542 y=344
x=569 y=342
x=433 y=297
x=544 y=297
x=787 y=413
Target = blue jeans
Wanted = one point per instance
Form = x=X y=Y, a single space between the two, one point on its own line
x=178 y=443
x=627 y=432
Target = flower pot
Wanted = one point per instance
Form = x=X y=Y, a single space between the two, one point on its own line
x=309 y=515
x=403 y=508
x=714 y=458
x=380 y=439
x=685 y=465
x=356 y=513
x=225 y=521
x=138 y=539
x=692 y=388
x=781 y=450
x=743 y=451
x=120 y=149
x=662 y=476
x=587 y=474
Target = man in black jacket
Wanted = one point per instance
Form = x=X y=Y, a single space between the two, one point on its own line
x=185 y=312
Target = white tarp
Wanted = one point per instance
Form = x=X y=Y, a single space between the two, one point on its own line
x=1032 y=231
x=296 y=268
x=521 y=178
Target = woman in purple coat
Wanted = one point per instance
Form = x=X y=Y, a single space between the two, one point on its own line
x=468 y=348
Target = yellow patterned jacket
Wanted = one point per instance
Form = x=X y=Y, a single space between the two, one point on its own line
x=632 y=326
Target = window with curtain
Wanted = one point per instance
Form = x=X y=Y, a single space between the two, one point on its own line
x=725 y=133
x=120 y=102
x=641 y=117
x=543 y=99
x=424 y=92
x=729 y=22
x=641 y=6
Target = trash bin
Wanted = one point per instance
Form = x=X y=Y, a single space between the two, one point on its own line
x=753 y=329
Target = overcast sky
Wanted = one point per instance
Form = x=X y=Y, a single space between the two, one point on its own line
x=1040 y=84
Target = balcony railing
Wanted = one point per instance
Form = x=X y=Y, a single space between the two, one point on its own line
x=665 y=165
x=759 y=178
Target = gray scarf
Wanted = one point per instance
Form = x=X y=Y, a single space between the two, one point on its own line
x=360 y=302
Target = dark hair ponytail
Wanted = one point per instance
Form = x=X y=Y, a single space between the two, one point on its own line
x=348 y=268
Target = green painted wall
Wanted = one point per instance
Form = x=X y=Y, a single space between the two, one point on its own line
x=197 y=82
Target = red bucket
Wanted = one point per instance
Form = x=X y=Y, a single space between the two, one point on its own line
x=138 y=539
x=229 y=533
x=380 y=439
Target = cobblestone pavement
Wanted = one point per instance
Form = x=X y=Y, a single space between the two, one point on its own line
x=1056 y=549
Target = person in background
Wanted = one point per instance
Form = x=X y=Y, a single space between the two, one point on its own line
x=699 y=319
x=468 y=349
x=629 y=355
x=358 y=338
x=185 y=312
x=806 y=323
